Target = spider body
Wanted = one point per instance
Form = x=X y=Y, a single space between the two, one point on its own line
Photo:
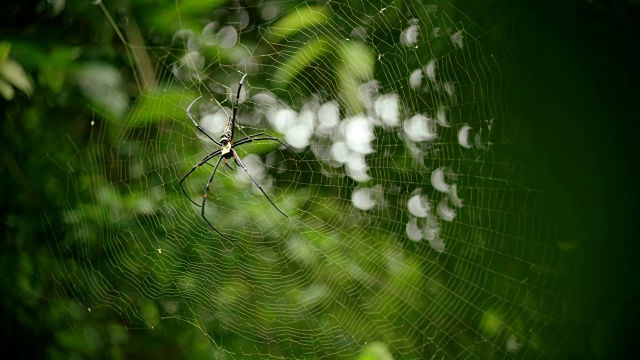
x=226 y=139
x=226 y=151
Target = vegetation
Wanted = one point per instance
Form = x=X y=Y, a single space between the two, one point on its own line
x=96 y=263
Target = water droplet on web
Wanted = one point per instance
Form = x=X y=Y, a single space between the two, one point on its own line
x=340 y=152
x=420 y=128
x=358 y=133
x=283 y=119
x=478 y=140
x=441 y=117
x=448 y=88
x=463 y=136
x=456 y=38
x=418 y=206
x=430 y=70
x=123 y=18
x=357 y=167
x=299 y=136
x=328 y=116
x=243 y=19
x=512 y=344
x=359 y=32
x=437 y=244
x=264 y=98
x=362 y=199
x=413 y=232
x=209 y=33
x=307 y=117
x=415 y=80
x=445 y=212
x=438 y=181
x=182 y=36
x=409 y=36
x=435 y=33
x=453 y=196
x=189 y=66
x=369 y=92
x=269 y=11
x=431 y=228
x=227 y=37
x=386 y=108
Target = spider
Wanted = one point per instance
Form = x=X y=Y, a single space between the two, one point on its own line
x=226 y=151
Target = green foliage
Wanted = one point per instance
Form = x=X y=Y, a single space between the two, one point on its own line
x=12 y=74
x=375 y=351
x=157 y=106
x=312 y=51
x=303 y=18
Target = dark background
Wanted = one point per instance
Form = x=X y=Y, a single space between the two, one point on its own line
x=583 y=65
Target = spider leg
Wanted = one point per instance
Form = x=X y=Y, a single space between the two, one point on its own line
x=195 y=123
x=206 y=195
x=252 y=137
x=249 y=139
x=241 y=164
x=207 y=158
x=229 y=166
x=235 y=107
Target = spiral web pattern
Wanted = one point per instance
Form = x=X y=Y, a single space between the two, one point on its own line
x=413 y=229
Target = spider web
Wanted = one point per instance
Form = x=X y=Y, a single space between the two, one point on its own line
x=415 y=228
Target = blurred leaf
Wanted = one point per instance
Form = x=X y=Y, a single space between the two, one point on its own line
x=168 y=18
x=150 y=313
x=6 y=90
x=302 y=18
x=12 y=72
x=102 y=84
x=312 y=51
x=193 y=7
x=57 y=5
x=356 y=66
x=375 y=351
x=5 y=48
x=86 y=339
x=491 y=322
x=31 y=55
x=358 y=59
x=118 y=334
x=156 y=106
